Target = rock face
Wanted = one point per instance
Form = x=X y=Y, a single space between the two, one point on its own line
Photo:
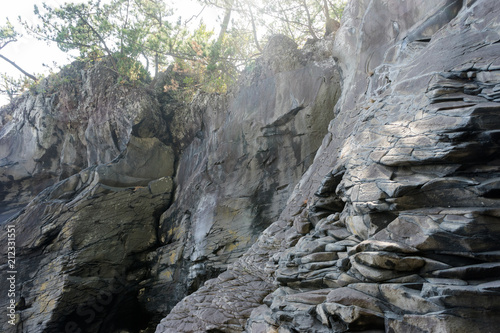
x=77 y=119
x=82 y=243
x=82 y=249
x=124 y=200
x=394 y=228
x=248 y=152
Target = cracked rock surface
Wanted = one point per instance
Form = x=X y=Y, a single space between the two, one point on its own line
x=234 y=177
x=71 y=121
x=125 y=200
x=83 y=243
x=85 y=177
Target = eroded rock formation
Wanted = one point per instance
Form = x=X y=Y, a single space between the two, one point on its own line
x=82 y=243
x=125 y=200
x=395 y=226
x=234 y=178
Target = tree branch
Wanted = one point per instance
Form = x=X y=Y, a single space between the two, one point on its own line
x=309 y=20
x=100 y=39
x=287 y=21
x=7 y=42
x=254 y=29
x=195 y=16
x=19 y=68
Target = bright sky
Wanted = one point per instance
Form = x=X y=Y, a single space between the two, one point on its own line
x=30 y=54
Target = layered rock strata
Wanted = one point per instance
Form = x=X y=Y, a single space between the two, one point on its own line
x=81 y=243
x=394 y=228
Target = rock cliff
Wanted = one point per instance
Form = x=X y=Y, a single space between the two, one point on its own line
x=394 y=227
x=282 y=206
x=81 y=242
x=73 y=120
x=125 y=200
x=250 y=149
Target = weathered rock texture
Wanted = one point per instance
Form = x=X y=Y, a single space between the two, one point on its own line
x=395 y=226
x=124 y=200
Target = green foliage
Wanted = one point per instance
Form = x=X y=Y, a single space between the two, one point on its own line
x=212 y=66
x=337 y=8
x=8 y=85
x=120 y=30
x=298 y=19
x=92 y=29
x=7 y=34
x=128 y=31
x=253 y=21
x=131 y=70
x=13 y=87
x=138 y=37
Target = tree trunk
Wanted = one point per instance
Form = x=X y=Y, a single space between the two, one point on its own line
x=225 y=22
x=331 y=25
x=309 y=20
x=254 y=29
x=216 y=51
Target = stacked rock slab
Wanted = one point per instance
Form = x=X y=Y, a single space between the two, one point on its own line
x=395 y=226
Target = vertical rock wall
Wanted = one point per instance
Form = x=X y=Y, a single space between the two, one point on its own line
x=234 y=177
